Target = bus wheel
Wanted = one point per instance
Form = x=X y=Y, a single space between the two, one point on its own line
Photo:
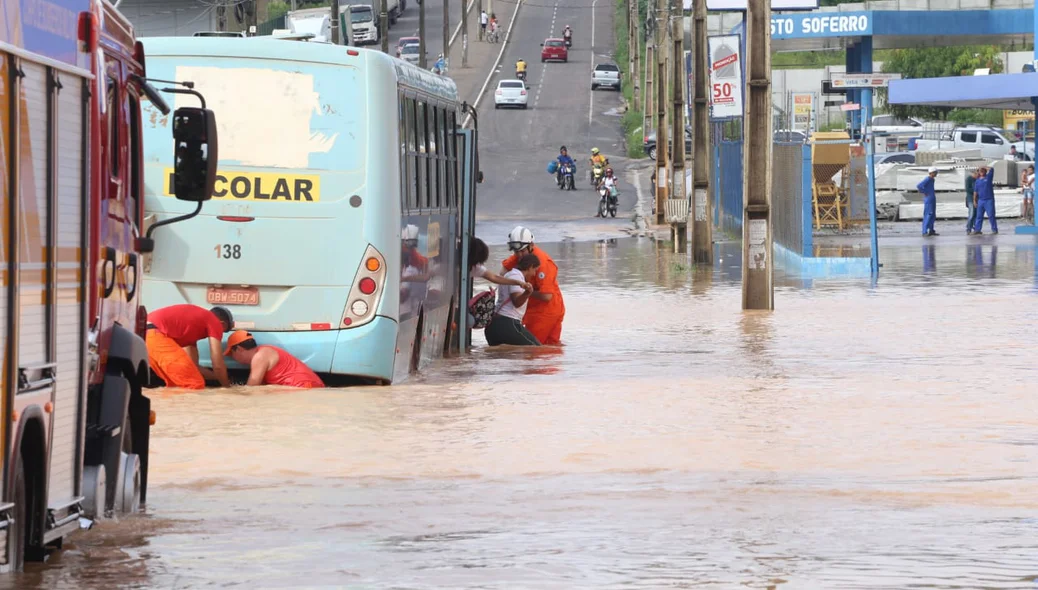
x=17 y=535
x=416 y=349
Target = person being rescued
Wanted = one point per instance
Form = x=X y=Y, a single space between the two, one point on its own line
x=270 y=365
x=172 y=342
x=506 y=327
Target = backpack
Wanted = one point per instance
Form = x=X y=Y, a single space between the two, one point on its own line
x=482 y=306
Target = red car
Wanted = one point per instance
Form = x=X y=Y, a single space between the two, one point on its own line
x=554 y=49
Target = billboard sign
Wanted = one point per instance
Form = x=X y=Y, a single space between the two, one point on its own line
x=730 y=5
x=726 y=86
x=862 y=80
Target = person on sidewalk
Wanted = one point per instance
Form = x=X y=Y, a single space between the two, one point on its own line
x=484 y=18
x=929 y=201
x=506 y=327
x=172 y=340
x=270 y=365
x=985 y=189
x=547 y=309
x=971 y=200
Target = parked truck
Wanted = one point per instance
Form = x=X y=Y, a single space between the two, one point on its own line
x=991 y=141
x=74 y=422
x=318 y=22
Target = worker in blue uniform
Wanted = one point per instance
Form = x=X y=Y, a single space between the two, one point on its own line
x=929 y=201
x=985 y=189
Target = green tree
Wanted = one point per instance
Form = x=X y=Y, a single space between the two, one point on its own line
x=939 y=62
x=277 y=9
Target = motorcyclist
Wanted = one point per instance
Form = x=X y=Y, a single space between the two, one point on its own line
x=567 y=33
x=520 y=69
x=609 y=184
x=597 y=161
x=564 y=160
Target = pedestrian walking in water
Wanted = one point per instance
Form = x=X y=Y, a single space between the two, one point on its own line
x=971 y=200
x=506 y=327
x=985 y=189
x=929 y=201
x=1027 y=181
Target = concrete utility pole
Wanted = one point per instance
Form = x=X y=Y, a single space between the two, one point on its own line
x=702 y=229
x=634 y=52
x=479 y=31
x=446 y=33
x=464 y=35
x=383 y=27
x=758 y=291
x=335 y=22
x=661 y=111
x=649 y=114
x=422 y=63
x=678 y=229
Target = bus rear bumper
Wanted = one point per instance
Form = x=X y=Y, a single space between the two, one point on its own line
x=366 y=351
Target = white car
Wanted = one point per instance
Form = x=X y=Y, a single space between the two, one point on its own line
x=410 y=53
x=510 y=93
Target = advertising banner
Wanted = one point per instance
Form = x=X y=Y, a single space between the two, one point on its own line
x=726 y=87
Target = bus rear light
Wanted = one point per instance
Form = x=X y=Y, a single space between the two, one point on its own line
x=235 y=218
x=321 y=326
x=352 y=52
x=359 y=307
x=368 y=286
x=88 y=33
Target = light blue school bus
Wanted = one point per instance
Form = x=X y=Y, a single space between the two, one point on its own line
x=337 y=219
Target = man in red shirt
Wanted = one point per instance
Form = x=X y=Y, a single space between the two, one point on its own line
x=172 y=341
x=270 y=365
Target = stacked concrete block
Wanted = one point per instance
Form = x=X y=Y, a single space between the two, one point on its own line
x=929 y=157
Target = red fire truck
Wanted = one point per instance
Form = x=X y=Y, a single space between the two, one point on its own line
x=74 y=425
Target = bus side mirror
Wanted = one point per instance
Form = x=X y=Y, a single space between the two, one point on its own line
x=195 y=154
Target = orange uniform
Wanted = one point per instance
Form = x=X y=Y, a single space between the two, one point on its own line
x=543 y=318
x=170 y=330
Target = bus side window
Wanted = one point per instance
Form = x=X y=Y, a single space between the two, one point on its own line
x=423 y=171
x=412 y=156
x=441 y=164
x=401 y=101
x=434 y=197
x=134 y=193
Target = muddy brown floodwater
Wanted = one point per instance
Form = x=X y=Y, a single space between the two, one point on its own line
x=861 y=436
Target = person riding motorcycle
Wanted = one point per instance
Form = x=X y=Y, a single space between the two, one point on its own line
x=564 y=160
x=567 y=33
x=598 y=162
x=520 y=69
x=608 y=184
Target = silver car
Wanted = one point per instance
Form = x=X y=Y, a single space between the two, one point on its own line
x=409 y=53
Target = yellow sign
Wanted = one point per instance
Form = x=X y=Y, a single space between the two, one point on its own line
x=433 y=244
x=1012 y=118
x=260 y=186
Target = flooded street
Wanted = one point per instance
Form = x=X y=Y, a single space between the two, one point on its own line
x=861 y=436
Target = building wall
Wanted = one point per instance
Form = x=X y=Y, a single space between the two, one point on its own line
x=156 y=18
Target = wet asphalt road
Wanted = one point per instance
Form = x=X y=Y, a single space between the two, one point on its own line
x=516 y=145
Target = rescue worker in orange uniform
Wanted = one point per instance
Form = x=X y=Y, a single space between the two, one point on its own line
x=172 y=341
x=270 y=365
x=546 y=309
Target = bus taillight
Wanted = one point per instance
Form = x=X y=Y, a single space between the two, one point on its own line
x=368 y=286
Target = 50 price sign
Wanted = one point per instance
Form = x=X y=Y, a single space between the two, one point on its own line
x=724 y=93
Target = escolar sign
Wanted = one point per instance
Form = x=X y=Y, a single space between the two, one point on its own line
x=260 y=186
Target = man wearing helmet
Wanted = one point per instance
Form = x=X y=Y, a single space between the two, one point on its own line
x=597 y=158
x=172 y=342
x=546 y=309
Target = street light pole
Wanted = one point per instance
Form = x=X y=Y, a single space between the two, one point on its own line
x=421 y=36
x=384 y=27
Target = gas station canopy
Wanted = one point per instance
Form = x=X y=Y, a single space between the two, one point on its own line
x=998 y=91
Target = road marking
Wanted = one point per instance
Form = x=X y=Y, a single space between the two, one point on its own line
x=497 y=63
x=591 y=106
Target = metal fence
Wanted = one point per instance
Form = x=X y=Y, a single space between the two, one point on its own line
x=787 y=196
x=268 y=27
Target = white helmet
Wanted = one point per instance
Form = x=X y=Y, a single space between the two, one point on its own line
x=410 y=233
x=519 y=238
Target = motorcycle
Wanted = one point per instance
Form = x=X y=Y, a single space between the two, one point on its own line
x=597 y=172
x=521 y=75
x=566 y=178
x=608 y=201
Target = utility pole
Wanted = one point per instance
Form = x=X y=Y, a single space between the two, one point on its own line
x=422 y=63
x=702 y=229
x=661 y=112
x=464 y=34
x=383 y=27
x=648 y=115
x=446 y=34
x=634 y=52
x=479 y=9
x=679 y=229
x=758 y=290
x=335 y=22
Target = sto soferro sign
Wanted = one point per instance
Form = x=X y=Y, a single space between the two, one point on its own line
x=725 y=76
x=775 y=4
